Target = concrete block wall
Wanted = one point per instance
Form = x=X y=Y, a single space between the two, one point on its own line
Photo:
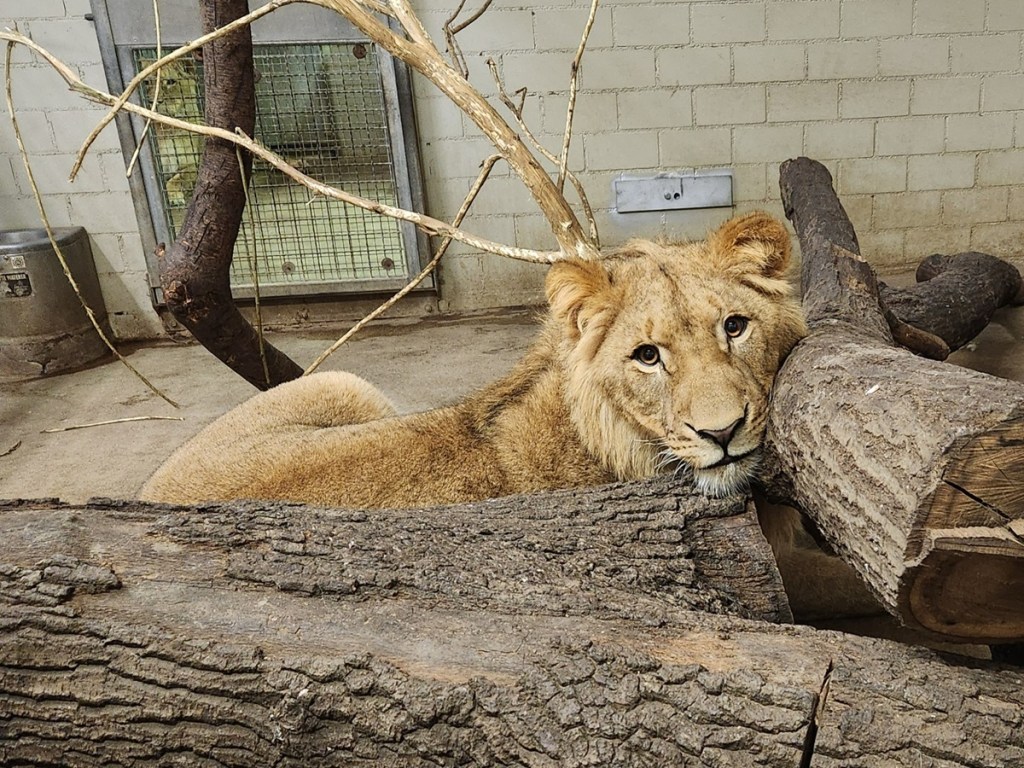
x=54 y=122
x=916 y=106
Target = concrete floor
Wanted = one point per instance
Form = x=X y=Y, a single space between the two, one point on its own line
x=418 y=365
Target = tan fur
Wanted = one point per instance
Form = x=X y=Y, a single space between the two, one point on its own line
x=576 y=410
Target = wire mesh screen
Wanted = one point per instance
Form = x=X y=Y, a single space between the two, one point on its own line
x=321 y=107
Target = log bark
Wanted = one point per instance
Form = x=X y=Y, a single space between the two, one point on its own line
x=195 y=269
x=537 y=631
x=911 y=469
x=955 y=297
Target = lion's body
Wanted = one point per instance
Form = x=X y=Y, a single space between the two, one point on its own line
x=579 y=409
x=357 y=453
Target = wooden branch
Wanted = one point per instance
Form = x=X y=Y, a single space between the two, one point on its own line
x=511 y=632
x=955 y=296
x=912 y=469
x=57 y=250
x=195 y=269
x=953 y=301
x=426 y=223
x=120 y=102
x=517 y=112
x=422 y=55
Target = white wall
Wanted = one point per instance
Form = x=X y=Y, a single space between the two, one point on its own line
x=54 y=122
x=917 y=107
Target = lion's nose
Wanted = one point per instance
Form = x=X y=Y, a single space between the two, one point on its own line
x=721 y=437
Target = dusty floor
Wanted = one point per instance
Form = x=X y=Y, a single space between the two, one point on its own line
x=418 y=366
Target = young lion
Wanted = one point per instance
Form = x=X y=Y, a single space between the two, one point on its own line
x=656 y=355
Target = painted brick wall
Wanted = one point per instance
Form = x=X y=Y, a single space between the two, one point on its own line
x=917 y=107
x=54 y=122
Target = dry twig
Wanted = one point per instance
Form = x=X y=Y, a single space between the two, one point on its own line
x=112 y=421
x=428 y=224
x=52 y=238
x=156 y=92
x=517 y=112
x=574 y=79
x=254 y=266
x=454 y=49
x=116 y=104
x=421 y=54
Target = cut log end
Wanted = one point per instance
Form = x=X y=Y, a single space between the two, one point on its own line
x=981 y=485
x=968 y=581
x=971 y=585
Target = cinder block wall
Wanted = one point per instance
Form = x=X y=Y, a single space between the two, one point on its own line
x=917 y=107
x=54 y=122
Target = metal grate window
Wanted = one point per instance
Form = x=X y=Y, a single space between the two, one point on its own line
x=321 y=107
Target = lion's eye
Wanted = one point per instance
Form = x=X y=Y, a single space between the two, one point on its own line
x=647 y=354
x=735 y=325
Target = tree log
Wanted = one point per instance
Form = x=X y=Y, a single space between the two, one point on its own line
x=535 y=631
x=955 y=296
x=911 y=469
x=195 y=269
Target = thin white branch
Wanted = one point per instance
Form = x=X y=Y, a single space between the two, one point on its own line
x=577 y=62
x=426 y=223
x=49 y=229
x=427 y=60
x=184 y=50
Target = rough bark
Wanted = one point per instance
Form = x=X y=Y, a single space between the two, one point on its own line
x=955 y=296
x=195 y=269
x=912 y=469
x=536 y=631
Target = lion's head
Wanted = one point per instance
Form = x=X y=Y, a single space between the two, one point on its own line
x=671 y=349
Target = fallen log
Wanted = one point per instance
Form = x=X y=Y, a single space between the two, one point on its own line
x=912 y=470
x=538 y=631
x=954 y=298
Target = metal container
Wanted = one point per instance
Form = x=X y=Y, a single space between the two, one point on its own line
x=43 y=327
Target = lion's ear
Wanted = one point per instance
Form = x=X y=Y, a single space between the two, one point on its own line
x=573 y=289
x=756 y=241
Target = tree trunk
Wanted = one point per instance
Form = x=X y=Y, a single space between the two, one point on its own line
x=195 y=270
x=537 y=631
x=912 y=469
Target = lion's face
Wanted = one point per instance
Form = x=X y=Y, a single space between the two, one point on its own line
x=672 y=350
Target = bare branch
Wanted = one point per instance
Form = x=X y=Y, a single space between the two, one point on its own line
x=476 y=15
x=517 y=111
x=254 y=266
x=49 y=229
x=426 y=223
x=107 y=422
x=156 y=92
x=451 y=30
x=577 y=62
x=184 y=50
x=421 y=54
x=427 y=60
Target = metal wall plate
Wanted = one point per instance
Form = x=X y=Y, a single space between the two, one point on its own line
x=674 y=191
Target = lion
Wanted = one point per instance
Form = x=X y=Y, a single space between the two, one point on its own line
x=657 y=354
x=656 y=357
